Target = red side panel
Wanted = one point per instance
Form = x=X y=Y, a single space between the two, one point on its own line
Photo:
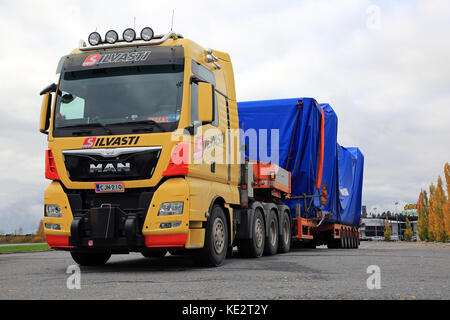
x=179 y=161
x=166 y=240
x=58 y=241
x=50 y=166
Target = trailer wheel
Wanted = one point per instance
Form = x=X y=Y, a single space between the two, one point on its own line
x=90 y=258
x=346 y=239
x=350 y=239
x=254 y=247
x=214 y=252
x=284 y=244
x=343 y=241
x=356 y=239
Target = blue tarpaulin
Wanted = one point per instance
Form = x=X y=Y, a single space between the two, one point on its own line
x=330 y=177
x=298 y=123
x=351 y=165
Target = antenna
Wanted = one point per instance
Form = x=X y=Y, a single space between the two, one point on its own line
x=171 y=26
x=134 y=24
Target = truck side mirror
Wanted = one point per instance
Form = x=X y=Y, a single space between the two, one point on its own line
x=44 y=122
x=205 y=102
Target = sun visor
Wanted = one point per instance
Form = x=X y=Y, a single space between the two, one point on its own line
x=121 y=58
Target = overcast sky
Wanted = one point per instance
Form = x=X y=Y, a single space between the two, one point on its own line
x=382 y=65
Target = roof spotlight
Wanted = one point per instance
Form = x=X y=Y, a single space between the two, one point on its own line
x=147 y=34
x=111 y=37
x=129 y=35
x=94 y=38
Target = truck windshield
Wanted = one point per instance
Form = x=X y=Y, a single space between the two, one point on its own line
x=119 y=100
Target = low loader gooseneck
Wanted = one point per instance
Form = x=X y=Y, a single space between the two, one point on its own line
x=146 y=154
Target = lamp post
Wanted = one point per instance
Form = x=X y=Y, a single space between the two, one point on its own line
x=396 y=218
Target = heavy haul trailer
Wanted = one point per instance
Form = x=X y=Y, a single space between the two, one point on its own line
x=128 y=126
x=326 y=187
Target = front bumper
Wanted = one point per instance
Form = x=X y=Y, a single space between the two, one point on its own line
x=91 y=223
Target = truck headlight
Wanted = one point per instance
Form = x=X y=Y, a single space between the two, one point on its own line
x=170 y=209
x=53 y=211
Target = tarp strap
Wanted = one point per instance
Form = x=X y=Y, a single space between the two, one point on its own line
x=299 y=105
x=321 y=150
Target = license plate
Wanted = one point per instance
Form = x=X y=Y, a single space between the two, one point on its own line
x=109 y=187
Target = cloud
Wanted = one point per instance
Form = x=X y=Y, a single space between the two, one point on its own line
x=388 y=85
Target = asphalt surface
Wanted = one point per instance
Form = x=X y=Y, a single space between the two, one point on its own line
x=407 y=271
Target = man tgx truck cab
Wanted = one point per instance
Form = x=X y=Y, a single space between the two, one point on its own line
x=123 y=127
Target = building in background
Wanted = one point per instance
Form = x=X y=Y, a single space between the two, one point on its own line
x=372 y=229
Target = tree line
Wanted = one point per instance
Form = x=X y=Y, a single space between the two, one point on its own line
x=433 y=209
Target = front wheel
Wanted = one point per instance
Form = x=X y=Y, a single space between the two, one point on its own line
x=90 y=258
x=215 y=248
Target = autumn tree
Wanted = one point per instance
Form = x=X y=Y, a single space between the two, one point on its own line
x=408 y=232
x=431 y=214
x=422 y=211
x=437 y=203
x=387 y=233
x=447 y=204
x=40 y=236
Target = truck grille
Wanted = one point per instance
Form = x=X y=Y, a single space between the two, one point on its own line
x=111 y=164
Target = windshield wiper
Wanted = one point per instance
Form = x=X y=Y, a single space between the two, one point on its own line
x=89 y=125
x=151 y=122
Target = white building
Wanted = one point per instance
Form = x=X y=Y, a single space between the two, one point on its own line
x=373 y=229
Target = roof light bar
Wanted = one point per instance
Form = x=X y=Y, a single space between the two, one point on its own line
x=128 y=36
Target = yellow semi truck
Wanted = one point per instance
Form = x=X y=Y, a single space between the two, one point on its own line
x=127 y=161
x=146 y=154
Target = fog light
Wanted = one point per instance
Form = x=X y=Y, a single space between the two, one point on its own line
x=170 y=209
x=53 y=226
x=52 y=211
x=147 y=34
x=168 y=225
x=129 y=35
x=94 y=38
x=111 y=37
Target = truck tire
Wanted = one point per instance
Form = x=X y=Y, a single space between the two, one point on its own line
x=90 y=258
x=154 y=254
x=214 y=251
x=343 y=242
x=284 y=243
x=347 y=239
x=254 y=247
x=271 y=245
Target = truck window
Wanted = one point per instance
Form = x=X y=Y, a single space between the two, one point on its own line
x=71 y=107
x=208 y=76
x=194 y=103
x=121 y=98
